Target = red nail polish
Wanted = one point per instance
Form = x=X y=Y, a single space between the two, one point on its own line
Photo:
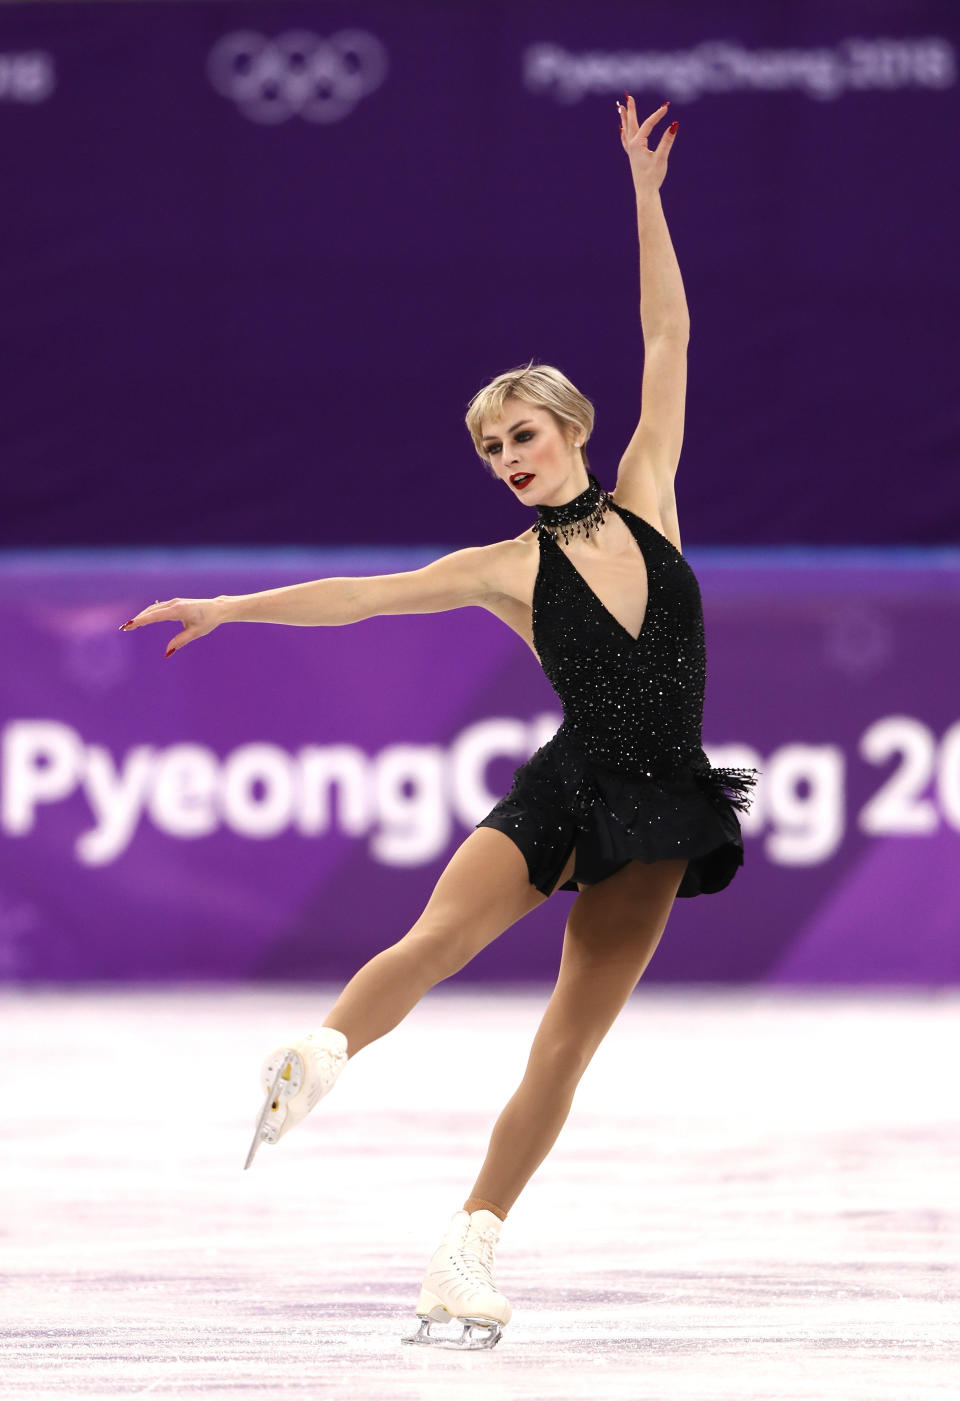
x=672 y=127
x=170 y=653
x=127 y=624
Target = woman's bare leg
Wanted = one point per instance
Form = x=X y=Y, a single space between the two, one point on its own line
x=612 y=932
x=483 y=890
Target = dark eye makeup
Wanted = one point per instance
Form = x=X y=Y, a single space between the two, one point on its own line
x=524 y=434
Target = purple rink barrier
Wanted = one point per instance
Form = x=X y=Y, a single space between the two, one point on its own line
x=277 y=802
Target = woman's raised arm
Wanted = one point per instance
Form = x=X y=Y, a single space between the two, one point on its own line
x=663 y=306
x=649 y=462
x=456 y=580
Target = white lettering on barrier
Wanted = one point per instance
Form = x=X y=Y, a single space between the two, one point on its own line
x=317 y=770
x=807 y=828
x=269 y=767
x=948 y=775
x=407 y=797
x=897 y=805
x=43 y=762
x=470 y=754
x=182 y=796
x=409 y=793
x=116 y=797
x=415 y=825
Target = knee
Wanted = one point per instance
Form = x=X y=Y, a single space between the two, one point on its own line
x=434 y=949
x=561 y=1061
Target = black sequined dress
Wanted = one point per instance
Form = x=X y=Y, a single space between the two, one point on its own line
x=625 y=777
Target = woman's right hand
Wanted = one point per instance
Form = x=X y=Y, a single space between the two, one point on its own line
x=198 y=616
x=649 y=167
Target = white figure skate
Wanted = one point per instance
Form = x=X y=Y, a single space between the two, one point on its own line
x=459 y=1304
x=296 y=1077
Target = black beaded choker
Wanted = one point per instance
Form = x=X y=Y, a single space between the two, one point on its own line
x=586 y=510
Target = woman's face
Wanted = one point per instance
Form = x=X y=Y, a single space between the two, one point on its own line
x=528 y=451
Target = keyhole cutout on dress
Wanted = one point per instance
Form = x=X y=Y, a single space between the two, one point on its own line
x=625 y=595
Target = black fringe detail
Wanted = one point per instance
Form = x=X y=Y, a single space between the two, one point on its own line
x=586 y=510
x=734 y=786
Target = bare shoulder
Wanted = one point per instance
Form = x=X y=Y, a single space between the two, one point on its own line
x=512 y=566
x=512 y=574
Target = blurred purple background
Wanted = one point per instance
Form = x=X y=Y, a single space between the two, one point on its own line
x=251 y=282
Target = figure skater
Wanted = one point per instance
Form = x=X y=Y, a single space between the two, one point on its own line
x=621 y=806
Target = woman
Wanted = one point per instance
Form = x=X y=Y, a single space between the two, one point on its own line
x=621 y=805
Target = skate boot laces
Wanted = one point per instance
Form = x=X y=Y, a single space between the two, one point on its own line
x=478 y=1247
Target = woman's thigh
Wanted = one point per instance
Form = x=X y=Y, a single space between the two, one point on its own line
x=612 y=931
x=484 y=888
x=624 y=914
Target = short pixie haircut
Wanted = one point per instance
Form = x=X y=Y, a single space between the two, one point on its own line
x=542 y=385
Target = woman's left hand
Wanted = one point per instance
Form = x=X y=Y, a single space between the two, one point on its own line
x=649 y=167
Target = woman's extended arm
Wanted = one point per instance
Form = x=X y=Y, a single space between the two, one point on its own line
x=454 y=581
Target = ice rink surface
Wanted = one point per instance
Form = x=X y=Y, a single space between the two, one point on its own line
x=756 y=1195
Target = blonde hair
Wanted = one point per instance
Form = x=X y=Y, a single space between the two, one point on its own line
x=543 y=385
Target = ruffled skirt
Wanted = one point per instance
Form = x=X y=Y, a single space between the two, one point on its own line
x=562 y=800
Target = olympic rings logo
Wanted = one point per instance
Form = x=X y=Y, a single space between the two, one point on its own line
x=297 y=74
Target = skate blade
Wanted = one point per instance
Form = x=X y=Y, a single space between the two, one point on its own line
x=259 y=1136
x=461 y=1333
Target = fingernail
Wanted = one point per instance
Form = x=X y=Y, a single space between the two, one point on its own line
x=127 y=624
x=170 y=653
x=672 y=127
